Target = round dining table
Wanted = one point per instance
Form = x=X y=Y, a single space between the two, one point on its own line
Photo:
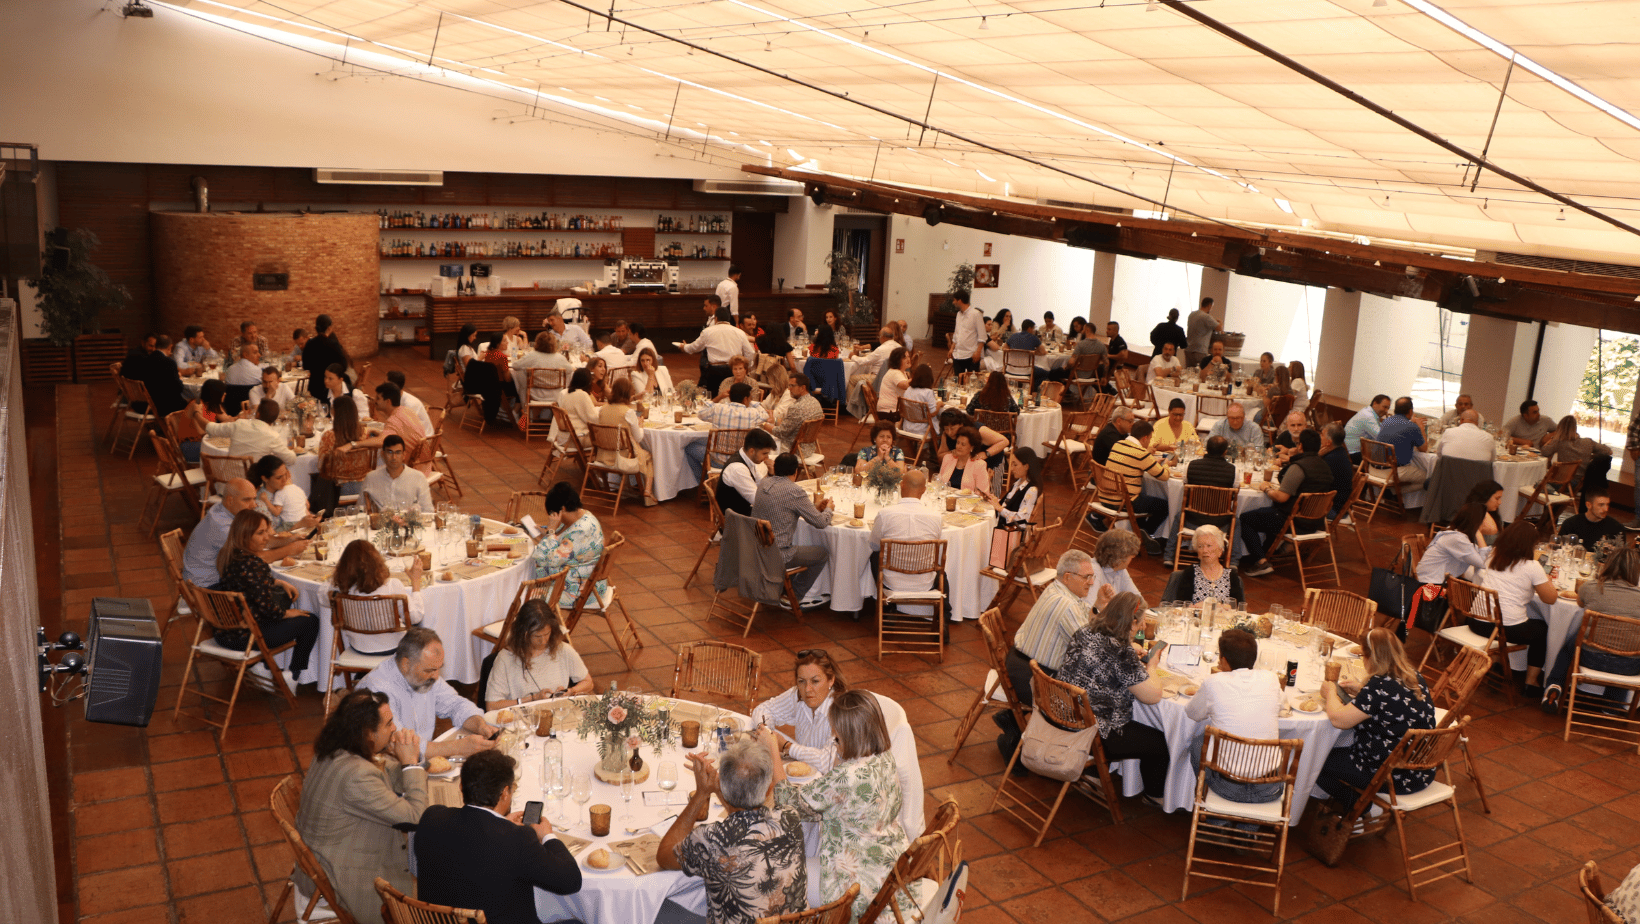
x=479 y=593
x=1522 y=470
x=1165 y=395
x=665 y=440
x=1038 y=429
x=1250 y=497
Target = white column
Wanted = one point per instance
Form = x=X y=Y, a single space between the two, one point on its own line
x=1215 y=285
x=1497 y=364
x=1335 y=354
x=1103 y=291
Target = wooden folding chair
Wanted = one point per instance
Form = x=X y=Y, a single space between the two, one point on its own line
x=1346 y=520
x=1451 y=694
x=1345 y=614
x=1210 y=409
x=219 y=470
x=741 y=617
x=522 y=503
x=1066 y=706
x=915 y=413
x=172 y=550
x=996 y=690
x=806 y=446
x=1466 y=601
x=1084 y=536
x=1243 y=760
x=869 y=396
x=221 y=610
x=472 y=415
x=361 y=615
x=1594 y=896
x=721 y=447
x=119 y=407
x=180 y=427
x=1318 y=411
x=1618 y=636
x=568 y=447
x=714 y=539
x=1275 y=417
x=623 y=631
x=399 y=908
x=171 y=476
x=427 y=453
x=1134 y=394
x=1383 y=479
x=1087 y=374
x=1110 y=484
x=903 y=633
x=1101 y=406
x=286 y=802
x=1210 y=505
x=547 y=588
x=1076 y=433
x=836 y=911
x=1018 y=367
x=1310 y=508
x=614 y=459
x=932 y=856
x=1002 y=422
x=1051 y=392
x=1028 y=571
x=536 y=380
x=720 y=668
x=136 y=393
x=1554 y=491
x=1419 y=749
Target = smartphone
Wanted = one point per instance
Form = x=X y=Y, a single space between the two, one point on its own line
x=494 y=736
x=532 y=813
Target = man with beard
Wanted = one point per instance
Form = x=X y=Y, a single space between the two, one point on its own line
x=410 y=679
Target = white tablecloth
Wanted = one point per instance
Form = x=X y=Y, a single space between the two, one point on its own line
x=1169 y=716
x=1165 y=396
x=673 y=472
x=1565 y=619
x=1038 y=429
x=1512 y=475
x=967 y=551
x=454 y=610
x=301 y=471
x=1050 y=361
x=1248 y=498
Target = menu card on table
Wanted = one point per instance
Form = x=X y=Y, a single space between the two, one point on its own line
x=465 y=571
x=312 y=571
x=640 y=853
x=961 y=520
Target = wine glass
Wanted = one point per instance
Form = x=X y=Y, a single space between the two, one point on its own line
x=581 y=788
x=667 y=775
x=628 y=784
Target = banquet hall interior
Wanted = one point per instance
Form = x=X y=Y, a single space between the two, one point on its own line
x=1391 y=226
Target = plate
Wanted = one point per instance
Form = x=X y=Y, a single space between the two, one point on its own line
x=450 y=774
x=617 y=861
x=1300 y=709
x=795 y=777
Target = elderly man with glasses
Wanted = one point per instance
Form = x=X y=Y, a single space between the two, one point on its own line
x=396 y=484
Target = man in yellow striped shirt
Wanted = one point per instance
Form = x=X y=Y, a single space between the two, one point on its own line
x=1132 y=459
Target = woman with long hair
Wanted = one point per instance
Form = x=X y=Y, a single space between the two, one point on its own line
x=361 y=571
x=211 y=395
x=1488 y=494
x=1513 y=571
x=1019 y=502
x=467 y=343
x=1101 y=659
x=573 y=539
x=995 y=396
x=277 y=496
x=620 y=412
x=347 y=469
x=1393 y=700
x=579 y=404
x=538 y=661
x=244 y=572
x=806 y=706
x=1457 y=550
x=1266 y=372
x=920 y=390
x=994 y=446
x=1564 y=444
x=1298 y=385
x=825 y=342
x=1078 y=329
x=1615 y=592
x=832 y=322
x=651 y=378
x=896 y=379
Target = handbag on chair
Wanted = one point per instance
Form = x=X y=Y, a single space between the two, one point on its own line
x=1393 y=588
x=1050 y=751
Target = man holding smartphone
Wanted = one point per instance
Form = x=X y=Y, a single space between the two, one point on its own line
x=486 y=856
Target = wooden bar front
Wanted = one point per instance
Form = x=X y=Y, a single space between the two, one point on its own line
x=664 y=317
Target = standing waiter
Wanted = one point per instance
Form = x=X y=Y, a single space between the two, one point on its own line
x=728 y=292
x=719 y=343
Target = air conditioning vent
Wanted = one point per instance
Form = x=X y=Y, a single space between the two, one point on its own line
x=379 y=177
x=768 y=187
x=1087 y=206
x=1559 y=264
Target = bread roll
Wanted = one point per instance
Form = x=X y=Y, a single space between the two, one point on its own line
x=288 y=562
x=798 y=768
x=1310 y=704
x=447 y=575
x=1190 y=689
x=506 y=715
x=509 y=531
x=438 y=765
x=598 y=859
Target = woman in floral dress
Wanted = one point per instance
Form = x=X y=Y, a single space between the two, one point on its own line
x=857 y=803
x=577 y=543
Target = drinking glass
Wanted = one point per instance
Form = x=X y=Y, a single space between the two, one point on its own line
x=580 y=789
x=628 y=784
x=667 y=775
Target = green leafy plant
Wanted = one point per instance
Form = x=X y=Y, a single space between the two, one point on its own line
x=962 y=280
x=853 y=306
x=73 y=292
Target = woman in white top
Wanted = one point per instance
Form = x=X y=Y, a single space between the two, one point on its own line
x=1019 y=503
x=806 y=706
x=579 y=405
x=538 y=662
x=920 y=390
x=778 y=399
x=467 y=344
x=1300 y=387
x=1457 y=550
x=338 y=384
x=512 y=335
x=1519 y=579
x=1165 y=366
x=362 y=572
x=284 y=504
x=650 y=379
x=1112 y=554
x=895 y=381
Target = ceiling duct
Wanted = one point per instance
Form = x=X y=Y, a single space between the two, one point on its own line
x=750 y=187
x=1103 y=238
x=1559 y=264
x=1084 y=206
x=378 y=177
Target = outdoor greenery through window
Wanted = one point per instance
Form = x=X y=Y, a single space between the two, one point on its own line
x=1605 y=399
x=1440 y=375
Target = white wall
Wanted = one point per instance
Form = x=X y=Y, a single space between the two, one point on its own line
x=1034 y=276
x=1278 y=317
x=802 y=241
x=1145 y=290
x=1566 y=349
x=84 y=84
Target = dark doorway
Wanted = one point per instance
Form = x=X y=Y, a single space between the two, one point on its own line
x=751 y=242
x=865 y=238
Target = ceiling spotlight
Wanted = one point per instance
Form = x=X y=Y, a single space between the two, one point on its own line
x=984 y=23
x=135 y=8
x=1152 y=6
x=1562 y=215
x=933 y=213
x=768 y=45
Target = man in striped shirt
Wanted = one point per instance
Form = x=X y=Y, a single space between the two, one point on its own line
x=1132 y=459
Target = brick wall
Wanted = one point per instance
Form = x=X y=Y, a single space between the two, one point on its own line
x=203 y=264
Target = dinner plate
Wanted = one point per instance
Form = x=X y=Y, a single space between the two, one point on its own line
x=617 y=861
x=1316 y=711
x=796 y=778
x=281 y=566
x=450 y=774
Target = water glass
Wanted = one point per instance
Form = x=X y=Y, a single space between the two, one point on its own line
x=628 y=784
x=667 y=775
x=580 y=788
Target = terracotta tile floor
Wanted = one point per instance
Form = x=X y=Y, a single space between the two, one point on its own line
x=165 y=826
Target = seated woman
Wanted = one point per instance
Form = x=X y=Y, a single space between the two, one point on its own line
x=777 y=397
x=346 y=468
x=993 y=445
x=1488 y=494
x=1112 y=554
x=278 y=498
x=579 y=405
x=857 y=803
x=1394 y=699
x=619 y=412
x=597 y=370
x=497 y=356
x=211 y=395
x=1102 y=660
x=575 y=540
x=895 y=380
x=806 y=706
x=740 y=370
x=920 y=390
x=1019 y=503
x=1266 y=372
x=538 y=662
x=1077 y=329
x=1457 y=550
x=825 y=342
x=512 y=335
x=1615 y=593
x=361 y=571
x=833 y=323
x=964 y=467
x=1515 y=574
x=995 y=396
x=1280 y=387
x=467 y=344
x=1564 y=444
x=1208 y=578
x=650 y=380
x=1300 y=387
x=243 y=571
x=882 y=450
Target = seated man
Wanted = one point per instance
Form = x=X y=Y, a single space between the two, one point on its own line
x=1026 y=338
x=271 y=388
x=199 y=555
x=569 y=336
x=395 y=483
x=906 y=521
x=254 y=437
x=1405 y=435
x=410 y=679
x=1236 y=428
x=1170 y=430
x=412 y=403
x=482 y=855
x=1464 y=403
x=737 y=484
x=1054 y=618
x=1212 y=469
x=1365 y=423
x=1467 y=440
x=739 y=412
x=298 y=341
x=1593 y=524
x=1132 y=460
x=1288 y=437
x=193 y=352
x=1214 y=366
x=159 y=375
x=1305 y=474
x=1337 y=458
x=247 y=371
x=780 y=501
x=753 y=860
x=1113 y=332
x=1113 y=432
x=249 y=336
x=402 y=422
x=803 y=408
x=1529 y=428
x=1243 y=702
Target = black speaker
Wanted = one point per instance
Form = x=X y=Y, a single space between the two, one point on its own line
x=933 y=213
x=818 y=195
x=123 y=671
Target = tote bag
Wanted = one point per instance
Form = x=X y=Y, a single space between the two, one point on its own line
x=1050 y=751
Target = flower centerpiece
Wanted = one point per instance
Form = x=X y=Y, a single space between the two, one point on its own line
x=689 y=394
x=882 y=479
x=302 y=411
x=622 y=722
x=400 y=530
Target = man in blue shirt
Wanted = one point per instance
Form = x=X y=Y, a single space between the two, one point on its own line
x=1026 y=339
x=1404 y=434
x=193 y=352
x=1364 y=423
x=419 y=698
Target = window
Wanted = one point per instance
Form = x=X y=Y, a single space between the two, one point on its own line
x=1440 y=376
x=1605 y=398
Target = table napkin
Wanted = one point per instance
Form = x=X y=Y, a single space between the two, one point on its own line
x=640 y=853
x=961 y=520
x=445 y=792
x=464 y=570
x=575 y=844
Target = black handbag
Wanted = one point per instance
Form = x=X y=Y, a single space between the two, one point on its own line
x=1393 y=588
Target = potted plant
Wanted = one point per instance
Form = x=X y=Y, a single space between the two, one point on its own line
x=72 y=294
x=856 y=308
x=942 y=313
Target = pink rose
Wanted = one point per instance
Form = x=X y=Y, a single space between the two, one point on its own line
x=633 y=742
x=617 y=715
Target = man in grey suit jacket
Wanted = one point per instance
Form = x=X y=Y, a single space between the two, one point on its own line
x=355 y=812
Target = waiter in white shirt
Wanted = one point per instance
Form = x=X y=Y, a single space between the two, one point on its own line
x=728 y=292
x=968 y=340
x=720 y=343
